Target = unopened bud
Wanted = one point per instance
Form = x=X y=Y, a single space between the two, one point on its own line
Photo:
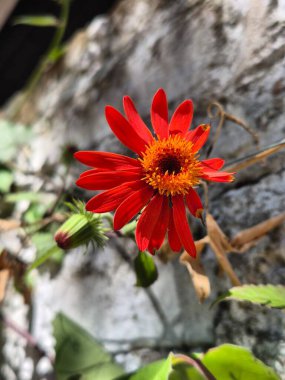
x=80 y=229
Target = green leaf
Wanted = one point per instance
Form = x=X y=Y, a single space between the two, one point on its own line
x=159 y=370
x=12 y=137
x=146 y=270
x=41 y=21
x=6 y=180
x=78 y=355
x=228 y=362
x=29 y=196
x=35 y=212
x=268 y=295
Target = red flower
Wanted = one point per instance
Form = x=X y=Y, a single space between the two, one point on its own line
x=160 y=181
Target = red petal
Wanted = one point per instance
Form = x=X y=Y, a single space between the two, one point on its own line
x=124 y=131
x=182 y=226
x=159 y=114
x=147 y=222
x=106 y=180
x=215 y=176
x=91 y=171
x=173 y=238
x=194 y=203
x=182 y=118
x=106 y=160
x=131 y=206
x=135 y=120
x=109 y=200
x=213 y=163
x=160 y=228
x=199 y=136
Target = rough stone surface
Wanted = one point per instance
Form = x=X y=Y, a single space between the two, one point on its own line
x=230 y=51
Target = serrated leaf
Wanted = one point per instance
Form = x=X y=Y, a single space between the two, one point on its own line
x=268 y=295
x=6 y=180
x=40 y=21
x=78 y=355
x=146 y=270
x=228 y=362
x=159 y=370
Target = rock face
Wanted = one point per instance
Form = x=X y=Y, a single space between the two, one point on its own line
x=227 y=51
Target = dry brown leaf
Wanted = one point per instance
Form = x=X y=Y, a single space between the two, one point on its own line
x=7 y=225
x=4 y=276
x=200 y=280
x=17 y=270
x=255 y=157
x=246 y=238
x=220 y=245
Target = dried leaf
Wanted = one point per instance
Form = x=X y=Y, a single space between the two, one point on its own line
x=195 y=268
x=7 y=225
x=221 y=246
x=4 y=276
x=251 y=159
x=17 y=270
x=246 y=238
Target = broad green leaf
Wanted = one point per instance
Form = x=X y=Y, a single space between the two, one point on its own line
x=228 y=362
x=6 y=180
x=41 y=21
x=159 y=370
x=12 y=137
x=146 y=270
x=269 y=295
x=78 y=355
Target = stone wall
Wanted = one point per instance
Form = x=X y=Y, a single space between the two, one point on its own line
x=228 y=51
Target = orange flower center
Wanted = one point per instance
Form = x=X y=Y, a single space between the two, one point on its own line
x=170 y=165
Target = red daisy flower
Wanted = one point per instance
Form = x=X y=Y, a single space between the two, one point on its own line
x=160 y=181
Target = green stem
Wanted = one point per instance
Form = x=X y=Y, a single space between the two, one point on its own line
x=45 y=60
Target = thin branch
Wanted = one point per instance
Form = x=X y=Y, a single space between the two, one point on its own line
x=27 y=336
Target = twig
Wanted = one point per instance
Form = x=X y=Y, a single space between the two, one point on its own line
x=252 y=158
x=220 y=112
x=27 y=336
x=196 y=363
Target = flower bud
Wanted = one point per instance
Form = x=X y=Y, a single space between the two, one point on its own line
x=80 y=229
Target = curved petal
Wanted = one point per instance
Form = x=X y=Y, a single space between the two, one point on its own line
x=106 y=180
x=182 y=118
x=213 y=163
x=198 y=136
x=92 y=171
x=135 y=120
x=147 y=222
x=160 y=228
x=109 y=200
x=106 y=160
x=173 y=238
x=159 y=114
x=182 y=226
x=215 y=176
x=194 y=203
x=131 y=206
x=124 y=131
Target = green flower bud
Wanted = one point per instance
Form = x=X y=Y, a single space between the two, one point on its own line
x=81 y=229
